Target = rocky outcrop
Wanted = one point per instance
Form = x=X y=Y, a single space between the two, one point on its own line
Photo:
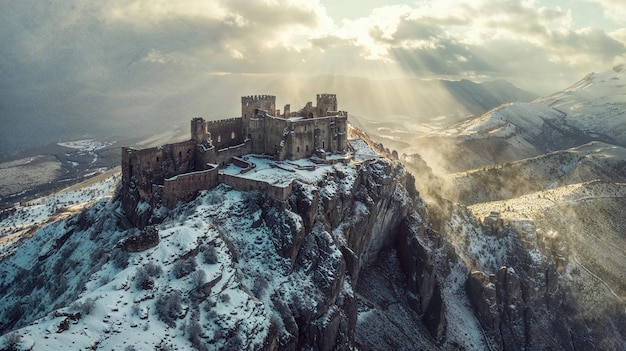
x=418 y=264
x=522 y=306
x=147 y=238
x=333 y=230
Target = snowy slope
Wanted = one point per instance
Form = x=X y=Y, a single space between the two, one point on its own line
x=594 y=109
x=592 y=161
x=596 y=104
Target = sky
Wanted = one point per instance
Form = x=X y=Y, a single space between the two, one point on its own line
x=537 y=45
x=81 y=63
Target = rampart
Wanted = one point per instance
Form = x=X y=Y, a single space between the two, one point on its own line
x=278 y=192
x=184 y=187
x=224 y=156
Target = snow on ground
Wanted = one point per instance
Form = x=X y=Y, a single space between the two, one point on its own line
x=230 y=316
x=86 y=145
x=33 y=213
x=362 y=150
x=533 y=205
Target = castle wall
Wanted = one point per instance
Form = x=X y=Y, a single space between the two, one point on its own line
x=258 y=135
x=153 y=165
x=199 y=132
x=274 y=133
x=326 y=103
x=300 y=142
x=330 y=134
x=226 y=132
x=205 y=156
x=184 y=187
x=225 y=155
x=243 y=184
x=261 y=102
x=175 y=172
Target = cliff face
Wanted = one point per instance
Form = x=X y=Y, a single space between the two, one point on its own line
x=346 y=219
x=348 y=261
x=235 y=270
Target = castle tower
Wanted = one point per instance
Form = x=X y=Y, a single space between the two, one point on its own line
x=261 y=102
x=199 y=131
x=325 y=103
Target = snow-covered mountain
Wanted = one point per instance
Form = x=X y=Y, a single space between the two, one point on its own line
x=593 y=109
x=350 y=261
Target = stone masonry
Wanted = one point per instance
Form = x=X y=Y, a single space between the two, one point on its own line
x=170 y=173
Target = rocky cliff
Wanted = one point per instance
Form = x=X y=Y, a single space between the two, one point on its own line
x=349 y=261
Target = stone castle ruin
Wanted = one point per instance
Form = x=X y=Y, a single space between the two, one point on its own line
x=175 y=172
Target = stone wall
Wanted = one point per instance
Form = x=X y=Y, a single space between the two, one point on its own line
x=244 y=184
x=262 y=102
x=326 y=103
x=153 y=165
x=224 y=156
x=184 y=187
x=226 y=132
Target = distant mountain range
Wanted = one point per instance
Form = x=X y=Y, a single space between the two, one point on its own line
x=36 y=118
x=593 y=109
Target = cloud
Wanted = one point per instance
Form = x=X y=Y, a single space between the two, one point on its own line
x=127 y=45
x=614 y=10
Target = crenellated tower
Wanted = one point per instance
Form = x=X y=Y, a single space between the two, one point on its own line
x=199 y=131
x=262 y=102
x=326 y=103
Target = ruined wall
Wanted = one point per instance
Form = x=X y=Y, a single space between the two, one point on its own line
x=308 y=111
x=261 y=102
x=301 y=141
x=243 y=184
x=205 y=156
x=257 y=135
x=326 y=103
x=330 y=134
x=275 y=132
x=199 y=132
x=224 y=156
x=153 y=165
x=226 y=132
x=184 y=187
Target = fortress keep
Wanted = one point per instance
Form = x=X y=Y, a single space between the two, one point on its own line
x=176 y=172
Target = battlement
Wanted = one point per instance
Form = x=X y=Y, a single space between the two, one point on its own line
x=175 y=172
x=257 y=98
x=249 y=104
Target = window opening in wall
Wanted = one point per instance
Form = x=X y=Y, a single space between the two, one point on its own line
x=232 y=135
x=298 y=149
x=180 y=154
x=306 y=148
x=219 y=138
x=323 y=145
x=157 y=158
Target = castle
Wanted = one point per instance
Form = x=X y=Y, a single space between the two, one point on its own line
x=176 y=172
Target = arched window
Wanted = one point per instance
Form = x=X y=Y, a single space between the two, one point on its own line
x=298 y=149
x=232 y=135
x=157 y=158
x=219 y=138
